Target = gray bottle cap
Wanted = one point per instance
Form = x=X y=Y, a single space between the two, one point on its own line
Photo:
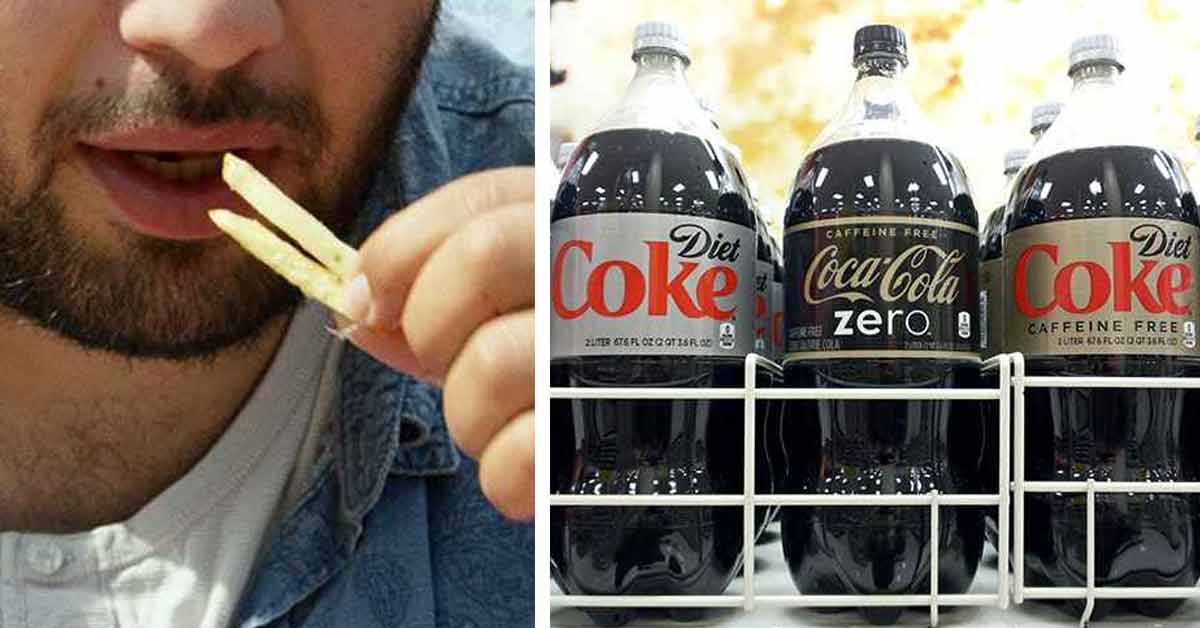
x=1099 y=48
x=880 y=40
x=1044 y=115
x=1014 y=159
x=662 y=37
x=1198 y=127
x=564 y=152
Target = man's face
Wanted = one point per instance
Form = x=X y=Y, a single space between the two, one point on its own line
x=113 y=118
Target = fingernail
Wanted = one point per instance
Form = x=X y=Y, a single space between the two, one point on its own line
x=344 y=333
x=357 y=297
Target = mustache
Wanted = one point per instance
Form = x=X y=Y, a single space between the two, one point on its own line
x=173 y=99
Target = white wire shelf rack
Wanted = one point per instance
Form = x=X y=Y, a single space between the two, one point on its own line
x=1021 y=487
x=1009 y=504
x=751 y=394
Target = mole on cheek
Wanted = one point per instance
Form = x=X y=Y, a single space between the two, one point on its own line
x=100 y=83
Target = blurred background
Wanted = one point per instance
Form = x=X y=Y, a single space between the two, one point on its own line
x=779 y=70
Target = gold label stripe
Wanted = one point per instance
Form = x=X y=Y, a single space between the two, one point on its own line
x=883 y=220
x=876 y=353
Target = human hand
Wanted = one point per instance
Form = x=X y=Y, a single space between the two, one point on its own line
x=446 y=294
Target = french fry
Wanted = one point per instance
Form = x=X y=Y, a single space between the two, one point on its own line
x=311 y=278
x=339 y=257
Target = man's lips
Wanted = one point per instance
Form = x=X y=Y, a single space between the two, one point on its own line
x=161 y=181
x=232 y=136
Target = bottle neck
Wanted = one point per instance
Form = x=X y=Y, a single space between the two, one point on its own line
x=880 y=105
x=879 y=93
x=1095 y=74
x=659 y=97
x=886 y=67
x=1101 y=111
x=660 y=63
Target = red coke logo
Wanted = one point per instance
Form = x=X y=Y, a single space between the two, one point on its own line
x=660 y=284
x=1138 y=272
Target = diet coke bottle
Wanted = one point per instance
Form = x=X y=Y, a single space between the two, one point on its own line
x=1100 y=253
x=653 y=247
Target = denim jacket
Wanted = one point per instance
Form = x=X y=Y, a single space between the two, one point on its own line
x=393 y=529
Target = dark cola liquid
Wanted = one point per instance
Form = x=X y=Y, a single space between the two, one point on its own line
x=1075 y=434
x=648 y=447
x=869 y=447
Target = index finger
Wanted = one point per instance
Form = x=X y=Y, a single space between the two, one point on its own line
x=393 y=255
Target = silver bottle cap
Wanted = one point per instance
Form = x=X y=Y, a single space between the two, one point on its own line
x=1044 y=115
x=1099 y=48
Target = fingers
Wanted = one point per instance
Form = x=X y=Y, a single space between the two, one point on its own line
x=506 y=468
x=483 y=270
x=391 y=348
x=394 y=254
x=445 y=293
x=491 y=381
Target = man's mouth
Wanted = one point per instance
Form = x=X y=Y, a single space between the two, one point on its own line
x=179 y=167
x=161 y=181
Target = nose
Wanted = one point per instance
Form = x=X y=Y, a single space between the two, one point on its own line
x=212 y=35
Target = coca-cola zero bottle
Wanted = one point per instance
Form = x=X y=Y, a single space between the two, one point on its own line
x=882 y=291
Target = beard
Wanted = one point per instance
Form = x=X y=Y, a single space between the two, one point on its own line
x=151 y=298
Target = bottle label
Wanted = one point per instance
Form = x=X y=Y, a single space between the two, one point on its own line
x=1102 y=286
x=762 y=307
x=651 y=284
x=882 y=286
x=990 y=309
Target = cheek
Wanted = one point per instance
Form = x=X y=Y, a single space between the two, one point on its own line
x=44 y=48
x=356 y=71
